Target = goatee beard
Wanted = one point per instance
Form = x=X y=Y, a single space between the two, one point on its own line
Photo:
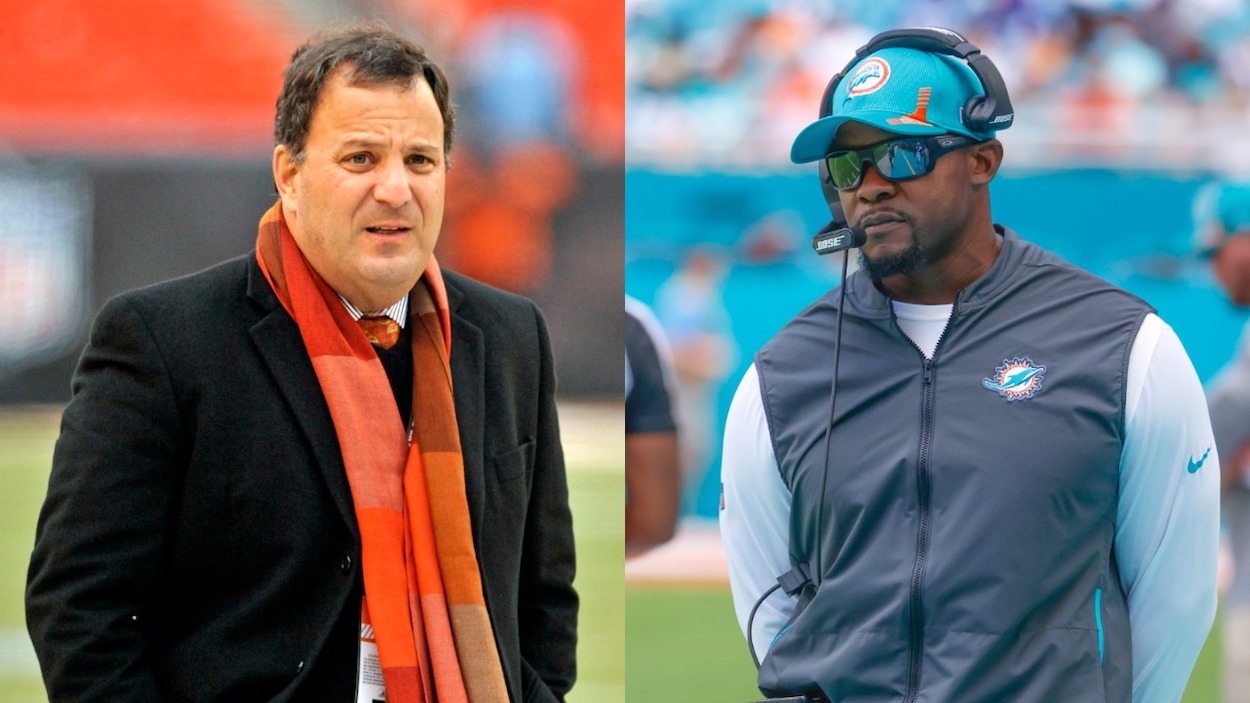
x=903 y=262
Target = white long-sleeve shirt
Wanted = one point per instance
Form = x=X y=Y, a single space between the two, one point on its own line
x=1167 y=522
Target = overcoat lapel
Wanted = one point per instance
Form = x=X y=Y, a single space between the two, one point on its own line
x=280 y=345
x=468 y=385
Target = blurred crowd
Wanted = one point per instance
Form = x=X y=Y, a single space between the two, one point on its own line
x=1124 y=83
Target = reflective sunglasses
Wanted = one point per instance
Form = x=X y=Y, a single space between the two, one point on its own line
x=896 y=160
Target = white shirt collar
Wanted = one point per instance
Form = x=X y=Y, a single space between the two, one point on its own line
x=397 y=312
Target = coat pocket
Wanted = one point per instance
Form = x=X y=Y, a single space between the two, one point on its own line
x=514 y=463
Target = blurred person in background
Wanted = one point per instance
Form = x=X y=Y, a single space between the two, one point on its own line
x=691 y=309
x=326 y=469
x=1008 y=501
x=1223 y=210
x=520 y=69
x=652 y=459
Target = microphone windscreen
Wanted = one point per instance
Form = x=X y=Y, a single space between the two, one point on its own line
x=837 y=236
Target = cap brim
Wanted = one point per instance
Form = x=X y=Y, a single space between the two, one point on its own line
x=814 y=141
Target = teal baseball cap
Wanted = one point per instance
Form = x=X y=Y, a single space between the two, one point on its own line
x=905 y=91
x=1221 y=211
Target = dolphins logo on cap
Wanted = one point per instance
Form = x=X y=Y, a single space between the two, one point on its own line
x=868 y=77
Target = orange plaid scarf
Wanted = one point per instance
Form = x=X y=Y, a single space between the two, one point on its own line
x=423 y=591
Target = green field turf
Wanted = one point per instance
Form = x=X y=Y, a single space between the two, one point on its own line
x=594 y=445
x=684 y=645
x=25 y=451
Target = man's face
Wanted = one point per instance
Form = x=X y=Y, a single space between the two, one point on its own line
x=365 y=204
x=909 y=223
x=1231 y=264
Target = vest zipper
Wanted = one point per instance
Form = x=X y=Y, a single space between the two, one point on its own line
x=916 y=606
x=915 y=603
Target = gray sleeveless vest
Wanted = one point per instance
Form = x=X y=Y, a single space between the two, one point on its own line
x=970 y=502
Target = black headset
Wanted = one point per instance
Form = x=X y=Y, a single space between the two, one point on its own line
x=981 y=113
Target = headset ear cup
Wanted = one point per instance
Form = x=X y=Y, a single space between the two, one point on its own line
x=826 y=186
x=976 y=115
x=992 y=111
x=978 y=112
x=832 y=198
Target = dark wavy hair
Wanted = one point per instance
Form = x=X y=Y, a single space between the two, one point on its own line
x=374 y=55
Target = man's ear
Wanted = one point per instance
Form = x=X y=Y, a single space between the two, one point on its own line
x=285 y=176
x=985 y=157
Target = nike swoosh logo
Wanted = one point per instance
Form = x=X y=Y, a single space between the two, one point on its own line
x=1195 y=465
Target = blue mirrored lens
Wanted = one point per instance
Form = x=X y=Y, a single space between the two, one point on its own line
x=896 y=160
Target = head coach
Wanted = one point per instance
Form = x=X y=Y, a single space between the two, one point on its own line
x=1007 y=491
x=324 y=471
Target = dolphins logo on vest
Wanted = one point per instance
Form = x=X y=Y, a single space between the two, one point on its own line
x=1017 y=379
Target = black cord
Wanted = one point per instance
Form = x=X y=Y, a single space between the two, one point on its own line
x=819 y=572
x=751 y=620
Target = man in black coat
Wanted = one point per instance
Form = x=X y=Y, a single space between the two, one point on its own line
x=199 y=541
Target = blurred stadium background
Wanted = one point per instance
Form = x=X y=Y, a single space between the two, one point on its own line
x=135 y=146
x=1124 y=109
